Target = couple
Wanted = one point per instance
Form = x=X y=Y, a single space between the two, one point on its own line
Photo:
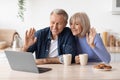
x=49 y=44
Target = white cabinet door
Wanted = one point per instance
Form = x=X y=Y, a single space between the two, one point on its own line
x=112 y=57
x=3 y=58
x=117 y=57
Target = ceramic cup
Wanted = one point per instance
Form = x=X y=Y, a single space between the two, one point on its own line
x=83 y=59
x=67 y=58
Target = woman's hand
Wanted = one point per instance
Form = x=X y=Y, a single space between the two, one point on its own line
x=29 y=38
x=90 y=37
x=77 y=60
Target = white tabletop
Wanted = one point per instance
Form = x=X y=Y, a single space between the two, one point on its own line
x=61 y=72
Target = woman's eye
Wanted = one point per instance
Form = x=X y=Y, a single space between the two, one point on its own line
x=70 y=23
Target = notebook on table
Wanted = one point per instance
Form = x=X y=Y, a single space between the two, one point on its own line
x=23 y=61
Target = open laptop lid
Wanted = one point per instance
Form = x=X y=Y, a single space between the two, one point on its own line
x=21 y=61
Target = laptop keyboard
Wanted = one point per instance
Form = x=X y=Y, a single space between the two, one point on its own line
x=42 y=70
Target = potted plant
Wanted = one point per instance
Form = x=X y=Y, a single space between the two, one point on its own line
x=21 y=9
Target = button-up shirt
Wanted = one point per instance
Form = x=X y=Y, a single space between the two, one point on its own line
x=66 y=43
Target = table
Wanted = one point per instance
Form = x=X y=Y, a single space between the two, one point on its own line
x=61 y=72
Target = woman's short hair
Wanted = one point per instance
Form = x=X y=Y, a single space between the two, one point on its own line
x=83 y=19
x=60 y=12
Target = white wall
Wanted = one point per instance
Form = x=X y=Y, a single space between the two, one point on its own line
x=37 y=14
x=9 y=13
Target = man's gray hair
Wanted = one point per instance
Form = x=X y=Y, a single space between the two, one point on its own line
x=60 y=12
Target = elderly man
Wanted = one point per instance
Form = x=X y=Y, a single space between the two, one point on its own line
x=49 y=44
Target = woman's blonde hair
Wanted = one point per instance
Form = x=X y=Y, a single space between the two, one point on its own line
x=83 y=19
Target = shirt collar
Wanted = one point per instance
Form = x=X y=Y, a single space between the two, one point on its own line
x=49 y=35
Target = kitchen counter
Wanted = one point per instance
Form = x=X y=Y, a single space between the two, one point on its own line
x=113 y=49
x=110 y=49
x=10 y=49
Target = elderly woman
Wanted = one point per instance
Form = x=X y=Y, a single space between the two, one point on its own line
x=87 y=40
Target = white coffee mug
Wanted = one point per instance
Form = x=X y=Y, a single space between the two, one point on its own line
x=83 y=59
x=67 y=58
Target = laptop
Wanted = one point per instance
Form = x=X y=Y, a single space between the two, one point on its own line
x=23 y=61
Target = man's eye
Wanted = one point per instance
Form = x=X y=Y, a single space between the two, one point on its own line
x=59 y=24
x=53 y=23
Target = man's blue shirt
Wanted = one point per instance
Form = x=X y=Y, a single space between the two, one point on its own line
x=66 y=43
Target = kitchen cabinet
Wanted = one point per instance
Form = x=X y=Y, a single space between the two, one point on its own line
x=115 y=53
x=2 y=57
x=112 y=57
x=115 y=57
